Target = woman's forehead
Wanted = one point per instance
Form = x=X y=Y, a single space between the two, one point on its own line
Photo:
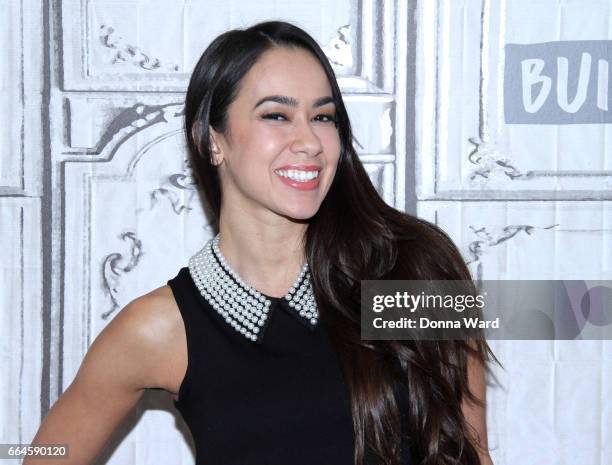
x=290 y=72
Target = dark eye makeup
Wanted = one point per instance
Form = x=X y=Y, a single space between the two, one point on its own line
x=274 y=116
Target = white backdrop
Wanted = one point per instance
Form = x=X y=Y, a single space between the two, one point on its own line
x=97 y=204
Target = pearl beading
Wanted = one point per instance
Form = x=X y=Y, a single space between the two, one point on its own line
x=243 y=307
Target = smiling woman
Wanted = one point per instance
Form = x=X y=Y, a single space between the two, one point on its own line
x=259 y=334
x=271 y=146
x=278 y=153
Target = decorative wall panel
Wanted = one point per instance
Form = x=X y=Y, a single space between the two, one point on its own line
x=465 y=148
x=110 y=45
x=21 y=344
x=20 y=97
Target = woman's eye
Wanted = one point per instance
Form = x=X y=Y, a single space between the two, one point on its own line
x=327 y=118
x=279 y=117
x=273 y=116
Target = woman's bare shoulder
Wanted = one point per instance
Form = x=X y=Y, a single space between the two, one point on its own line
x=166 y=337
x=154 y=325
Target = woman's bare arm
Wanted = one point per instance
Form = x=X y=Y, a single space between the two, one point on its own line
x=125 y=358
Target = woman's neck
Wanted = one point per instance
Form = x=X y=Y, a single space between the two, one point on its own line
x=267 y=257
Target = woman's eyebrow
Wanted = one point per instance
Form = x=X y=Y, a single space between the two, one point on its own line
x=284 y=100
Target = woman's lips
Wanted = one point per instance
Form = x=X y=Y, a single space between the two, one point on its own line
x=300 y=185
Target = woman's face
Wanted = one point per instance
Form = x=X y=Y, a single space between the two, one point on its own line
x=283 y=147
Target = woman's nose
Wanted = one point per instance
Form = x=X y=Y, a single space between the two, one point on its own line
x=305 y=139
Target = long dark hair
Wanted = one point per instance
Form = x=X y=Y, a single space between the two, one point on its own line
x=354 y=236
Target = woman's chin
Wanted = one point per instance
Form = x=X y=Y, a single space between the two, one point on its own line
x=299 y=214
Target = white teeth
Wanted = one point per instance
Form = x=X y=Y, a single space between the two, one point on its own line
x=298 y=175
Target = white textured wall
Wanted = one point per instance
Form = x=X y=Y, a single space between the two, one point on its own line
x=97 y=205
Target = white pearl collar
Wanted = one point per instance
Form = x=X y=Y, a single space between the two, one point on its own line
x=243 y=307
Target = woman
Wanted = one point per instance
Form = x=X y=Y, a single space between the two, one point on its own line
x=263 y=374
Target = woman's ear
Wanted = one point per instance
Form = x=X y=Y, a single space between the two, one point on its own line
x=213 y=147
x=216 y=156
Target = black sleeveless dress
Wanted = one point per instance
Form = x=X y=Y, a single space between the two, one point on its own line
x=278 y=401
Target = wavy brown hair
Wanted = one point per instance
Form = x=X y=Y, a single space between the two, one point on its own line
x=355 y=236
